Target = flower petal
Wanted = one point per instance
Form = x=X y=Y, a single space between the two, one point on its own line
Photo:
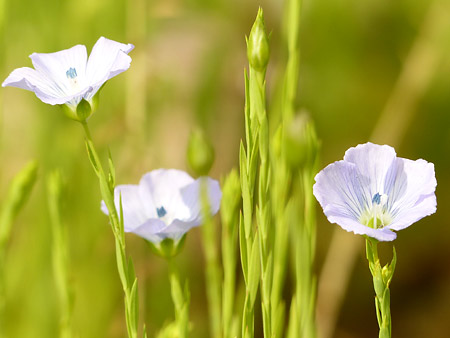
x=151 y=230
x=161 y=187
x=338 y=215
x=192 y=197
x=107 y=59
x=134 y=211
x=415 y=198
x=339 y=185
x=55 y=67
x=29 y=79
x=373 y=162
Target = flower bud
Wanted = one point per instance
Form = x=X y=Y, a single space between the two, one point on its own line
x=200 y=153
x=168 y=247
x=258 y=44
x=300 y=141
x=79 y=113
x=84 y=110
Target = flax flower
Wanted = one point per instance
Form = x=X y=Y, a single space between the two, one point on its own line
x=373 y=192
x=68 y=76
x=165 y=204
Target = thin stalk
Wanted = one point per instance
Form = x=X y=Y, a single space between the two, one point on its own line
x=382 y=276
x=230 y=221
x=124 y=266
x=213 y=270
x=180 y=300
x=305 y=253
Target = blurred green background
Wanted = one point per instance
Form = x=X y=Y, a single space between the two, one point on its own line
x=366 y=65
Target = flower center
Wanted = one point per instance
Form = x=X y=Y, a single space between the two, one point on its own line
x=71 y=73
x=161 y=212
x=377 y=215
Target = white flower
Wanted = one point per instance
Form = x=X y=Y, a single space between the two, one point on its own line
x=67 y=76
x=373 y=192
x=165 y=204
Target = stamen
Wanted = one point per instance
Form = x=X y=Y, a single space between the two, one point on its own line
x=161 y=212
x=71 y=73
x=376 y=198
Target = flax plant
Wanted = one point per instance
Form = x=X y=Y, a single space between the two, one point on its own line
x=253 y=239
x=125 y=266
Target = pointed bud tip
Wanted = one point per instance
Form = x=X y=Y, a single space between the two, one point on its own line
x=258 y=44
x=200 y=153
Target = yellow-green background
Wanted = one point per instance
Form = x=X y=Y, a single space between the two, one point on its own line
x=187 y=70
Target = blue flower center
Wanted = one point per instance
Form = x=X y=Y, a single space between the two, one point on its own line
x=161 y=212
x=376 y=198
x=71 y=73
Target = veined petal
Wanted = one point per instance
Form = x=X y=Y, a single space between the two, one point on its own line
x=29 y=79
x=339 y=216
x=44 y=88
x=134 y=211
x=107 y=59
x=416 y=198
x=339 y=185
x=65 y=69
x=151 y=230
x=373 y=162
x=162 y=188
x=191 y=195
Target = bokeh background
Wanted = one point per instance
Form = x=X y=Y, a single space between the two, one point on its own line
x=371 y=70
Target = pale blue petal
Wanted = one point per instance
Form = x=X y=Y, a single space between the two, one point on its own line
x=373 y=162
x=339 y=185
x=338 y=215
x=55 y=66
x=162 y=187
x=107 y=59
x=135 y=213
x=415 y=198
x=151 y=230
x=191 y=195
x=29 y=79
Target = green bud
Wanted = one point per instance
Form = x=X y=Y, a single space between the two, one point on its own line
x=84 y=110
x=300 y=141
x=200 y=153
x=168 y=248
x=258 y=44
x=231 y=198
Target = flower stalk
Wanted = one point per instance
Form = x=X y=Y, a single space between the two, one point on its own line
x=382 y=277
x=124 y=266
x=231 y=202
x=180 y=299
x=213 y=269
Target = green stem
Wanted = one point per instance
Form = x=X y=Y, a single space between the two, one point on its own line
x=213 y=270
x=124 y=266
x=382 y=277
x=180 y=300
